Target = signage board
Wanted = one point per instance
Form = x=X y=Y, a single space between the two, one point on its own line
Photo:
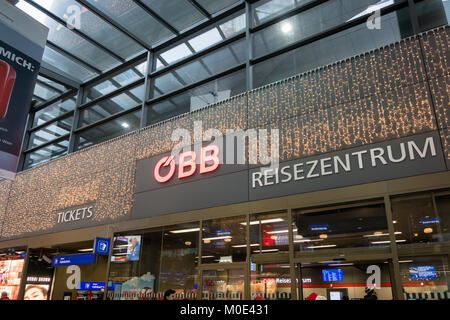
x=101 y=246
x=329 y=275
x=22 y=43
x=76 y=259
x=422 y=272
x=93 y=286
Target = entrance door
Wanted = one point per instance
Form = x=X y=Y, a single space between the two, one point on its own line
x=349 y=280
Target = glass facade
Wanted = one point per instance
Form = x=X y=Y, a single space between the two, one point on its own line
x=126 y=61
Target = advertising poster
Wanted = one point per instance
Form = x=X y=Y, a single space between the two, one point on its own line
x=36 y=292
x=126 y=248
x=138 y=288
x=422 y=272
x=10 y=277
x=22 y=42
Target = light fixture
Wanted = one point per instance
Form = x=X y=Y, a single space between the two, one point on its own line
x=299 y=236
x=263 y=221
x=217 y=238
x=185 y=230
x=206 y=241
x=188 y=243
x=125 y=125
x=206 y=257
x=281 y=231
x=321 y=247
x=307 y=240
x=323 y=236
x=286 y=27
x=85 y=250
x=387 y=241
x=416 y=234
x=227 y=239
x=377 y=233
x=273 y=237
x=428 y=230
x=267 y=250
x=244 y=245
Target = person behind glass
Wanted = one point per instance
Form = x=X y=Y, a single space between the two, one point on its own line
x=169 y=294
x=4 y=296
x=370 y=294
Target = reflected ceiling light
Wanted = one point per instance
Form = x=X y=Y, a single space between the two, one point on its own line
x=227 y=239
x=323 y=236
x=206 y=257
x=185 y=230
x=281 y=231
x=216 y=238
x=428 y=230
x=206 y=241
x=405 y=261
x=416 y=234
x=324 y=246
x=307 y=240
x=286 y=27
x=395 y=221
x=267 y=250
x=125 y=125
x=383 y=242
x=341 y=264
x=263 y=221
x=188 y=243
x=379 y=234
x=273 y=237
x=299 y=236
x=85 y=250
x=244 y=245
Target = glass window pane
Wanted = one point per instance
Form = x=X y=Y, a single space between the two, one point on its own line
x=134 y=19
x=94 y=27
x=44 y=92
x=417 y=224
x=421 y=276
x=234 y=26
x=271 y=282
x=207 y=66
x=46 y=153
x=432 y=14
x=268 y=9
x=321 y=232
x=339 y=46
x=66 y=65
x=179 y=14
x=222 y=284
x=59 y=87
x=205 y=39
x=176 y=54
x=116 y=82
x=50 y=132
x=109 y=130
x=308 y=23
x=213 y=6
x=224 y=240
x=179 y=258
x=70 y=41
x=269 y=233
x=124 y=101
x=54 y=110
x=198 y=97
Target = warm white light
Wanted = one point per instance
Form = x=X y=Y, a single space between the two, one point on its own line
x=185 y=230
x=286 y=27
x=323 y=236
x=428 y=230
x=206 y=241
x=216 y=238
x=227 y=239
x=267 y=250
x=188 y=243
x=281 y=231
x=307 y=240
x=263 y=221
x=324 y=246
x=244 y=245
x=383 y=242
x=125 y=125
x=85 y=250
x=299 y=236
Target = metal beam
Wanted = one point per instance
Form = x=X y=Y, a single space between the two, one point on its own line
x=113 y=22
x=76 y=31
x=199 y=8
x=72 y=57
x=156 y=16
x=54 y=74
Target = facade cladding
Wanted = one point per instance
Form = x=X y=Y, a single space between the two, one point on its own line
x=340 y=90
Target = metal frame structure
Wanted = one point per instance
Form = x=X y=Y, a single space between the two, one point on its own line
x=150 y=54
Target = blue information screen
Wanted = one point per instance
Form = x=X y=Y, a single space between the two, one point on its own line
x=75 y=259
x=101 y=246
x=422 y=272
x=94 y=286
x=332 y=275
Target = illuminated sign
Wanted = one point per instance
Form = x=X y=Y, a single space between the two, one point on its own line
x=430 y=220
x=76 y=214
x=209 y=162
x=76 y=259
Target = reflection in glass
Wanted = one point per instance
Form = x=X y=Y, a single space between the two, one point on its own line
x=44 y=154
x=223 y=284
x=224 y=240
x=54 y=110
x=270 y=282
x=339 y=46
x=50 y=132
x=269 y=233
x=198 y=97
x=109 y=130
x=346 y=227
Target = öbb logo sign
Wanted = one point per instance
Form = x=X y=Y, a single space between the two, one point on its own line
x=209 y=162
